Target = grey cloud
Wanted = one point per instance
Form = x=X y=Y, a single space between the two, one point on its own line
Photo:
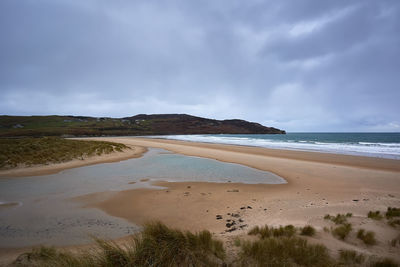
x=300 y=65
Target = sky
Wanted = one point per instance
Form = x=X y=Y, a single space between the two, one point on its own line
x=298 y=65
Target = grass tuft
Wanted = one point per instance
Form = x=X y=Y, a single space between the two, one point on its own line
x=283 y=251
x=375 y=215
x=350 y=257
x=266 y=231
x=392 y=212
x=50 y=256
x=160 y=245
x=308 y=230
x=367 y=237
x=339 y=218
x=342 y=231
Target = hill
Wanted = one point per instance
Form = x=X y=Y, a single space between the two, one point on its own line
x=142 y=124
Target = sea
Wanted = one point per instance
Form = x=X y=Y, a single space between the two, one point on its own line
x=380 y=145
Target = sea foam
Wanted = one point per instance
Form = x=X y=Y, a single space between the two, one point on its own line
x=371 y=149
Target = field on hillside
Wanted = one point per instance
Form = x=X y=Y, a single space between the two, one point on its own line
x=142 y=124
x=68 y=126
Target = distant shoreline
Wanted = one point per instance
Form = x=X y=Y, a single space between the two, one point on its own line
x=314 y=156
x=141 y=143
x=376 y=145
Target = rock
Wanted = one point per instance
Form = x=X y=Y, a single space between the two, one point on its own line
x=236 y=215
x=229 y=225
x=233 y=191
x=241 y=220
x=355 y=200
x=218 y=217
x=231 y=229
x=188 y=186
x=249 y=207
x=242 y=208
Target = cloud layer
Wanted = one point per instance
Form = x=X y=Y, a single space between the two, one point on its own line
x=297 y=65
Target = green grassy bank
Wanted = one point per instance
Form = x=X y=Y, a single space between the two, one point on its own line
x=46 y=150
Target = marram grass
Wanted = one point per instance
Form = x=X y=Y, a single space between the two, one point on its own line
x=45 y=150
x=283 y=251
x=157 y=245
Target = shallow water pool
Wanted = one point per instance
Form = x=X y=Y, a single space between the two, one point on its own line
x=38 y=210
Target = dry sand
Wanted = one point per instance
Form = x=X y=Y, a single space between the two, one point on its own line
x=318 y=184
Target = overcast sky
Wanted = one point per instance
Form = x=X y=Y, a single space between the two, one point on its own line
x=299 y=65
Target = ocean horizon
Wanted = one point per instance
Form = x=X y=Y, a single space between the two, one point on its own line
x=372 y=144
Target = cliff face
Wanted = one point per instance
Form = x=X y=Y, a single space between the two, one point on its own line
x=142 y=124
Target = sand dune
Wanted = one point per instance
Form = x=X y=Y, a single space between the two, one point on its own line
x=134 y=152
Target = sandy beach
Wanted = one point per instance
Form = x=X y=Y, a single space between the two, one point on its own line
x=317 y=184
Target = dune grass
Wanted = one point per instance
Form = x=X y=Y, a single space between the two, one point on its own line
x=307 y=230
x=339 y=218
x=344 y=227
x=368 y=237
x=157 y=245
x=279 y=246
x=392 y=215
x=375 y=215
x=45 y=150
x=283 y=251
x=350 y=257
x=342 y=231
x=266 y=231
x=392 y=212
